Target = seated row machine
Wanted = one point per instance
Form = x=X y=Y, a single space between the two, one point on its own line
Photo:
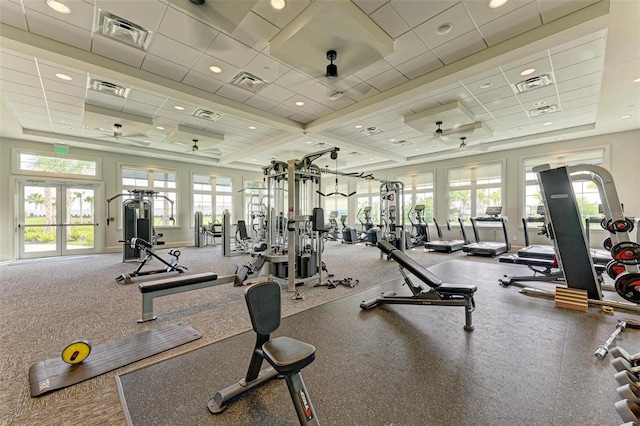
x=431 y=291
x=287 y=356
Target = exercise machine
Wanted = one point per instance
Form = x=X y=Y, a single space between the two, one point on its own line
x=137 y=219
x=241 y=238
x=573 y=252
x=489 y=248
x=430 y=291
x=391 y=196
x=146 y=247
x=332 y=231
x=537 y=251
x=447 y=246
x=419 y=228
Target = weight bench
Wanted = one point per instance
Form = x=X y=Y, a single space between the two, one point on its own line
x=431 y=290
x=173 y=285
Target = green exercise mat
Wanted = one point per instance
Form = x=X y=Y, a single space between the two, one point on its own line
x=53 y=374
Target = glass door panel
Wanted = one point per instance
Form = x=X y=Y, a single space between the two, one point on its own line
x=79 y=226
x=39 y=230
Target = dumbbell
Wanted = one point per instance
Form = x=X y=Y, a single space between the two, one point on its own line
x=618 y=352
x=621 y=364
x=603 y=350
x=628 y=411
x=630 y=391
x=625 y=378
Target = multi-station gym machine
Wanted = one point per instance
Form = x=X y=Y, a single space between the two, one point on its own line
x=392 y=213
x=137 y=219
x=294 y=238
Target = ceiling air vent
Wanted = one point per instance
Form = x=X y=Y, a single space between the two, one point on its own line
x=122 y=30
x=371 y=131
x=248 y=81
x=402 y=142
x=534 y=83
x=109 y=88
x=544 y=110
x=207 y=115
x=354 y=153
x=321 y=144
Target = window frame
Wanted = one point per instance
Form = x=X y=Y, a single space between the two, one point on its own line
x=15 y=166
x=473 y=187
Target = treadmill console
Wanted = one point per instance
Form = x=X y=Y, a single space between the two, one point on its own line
x=494 y=211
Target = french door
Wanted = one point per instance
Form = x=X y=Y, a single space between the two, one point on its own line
x=57 y=219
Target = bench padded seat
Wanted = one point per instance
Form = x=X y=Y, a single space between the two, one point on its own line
x=176 y=281
x=422 y=273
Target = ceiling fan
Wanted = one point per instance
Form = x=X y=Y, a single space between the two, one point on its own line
x=471 y=148
x=196 y=149
x=439 y=133
x=117 y=133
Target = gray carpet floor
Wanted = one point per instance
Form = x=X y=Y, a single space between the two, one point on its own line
x=46 y=304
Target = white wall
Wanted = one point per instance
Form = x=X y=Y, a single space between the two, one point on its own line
x=623 y=162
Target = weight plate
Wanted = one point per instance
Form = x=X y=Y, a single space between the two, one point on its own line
x=76 y=352
x=626 y=252
x=603 y=223
x=622 y=225
x=615 y=268
x=628 y=286
x=607 y=243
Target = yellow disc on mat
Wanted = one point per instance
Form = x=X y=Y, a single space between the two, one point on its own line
x=76 y=352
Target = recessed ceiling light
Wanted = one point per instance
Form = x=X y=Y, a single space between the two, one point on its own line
x=444 y=29
x=278 y=4
x=417 y=149
x=392 y=140
x=252 y=127
x=637 y=80
x=309 y=142
x=68 y=127
x=548 y=123
x=63 y=77
x=539 y=103
x=486 y=85
x=179 y=108
x=493 y=4
x=215 y=69
x=58 y=7
x=560 y=138
x=299 y=103
x=358 y=126
x=625 y=116
x=528 y=71
x=159 y=127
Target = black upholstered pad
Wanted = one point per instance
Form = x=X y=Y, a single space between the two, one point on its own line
x=288 y=355
x=176 y=281
x=422 y=273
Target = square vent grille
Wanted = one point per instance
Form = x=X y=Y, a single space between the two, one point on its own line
x=109 y=88
x=371 y=131
x=402 y=142
x=207 y=115
x=248 y=81
x=534 y=83
x=120 y=29
x=544 y=110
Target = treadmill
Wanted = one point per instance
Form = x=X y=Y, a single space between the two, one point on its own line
x=537 y=251
x=446 y=246
x=489 y=248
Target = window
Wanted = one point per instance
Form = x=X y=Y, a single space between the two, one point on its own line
x=337 y=203
x=163 y=182
x=212 y=196
x=473 y=189
x=586 y=192
x=49 y=165
x=418 y=189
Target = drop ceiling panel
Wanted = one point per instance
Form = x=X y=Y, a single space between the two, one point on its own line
x=116 y=50
x=8 y=86
x=508 y=26
x=65 y=99
x=457 y=16
x=199 y=35
x=163 y=67
x=19 y=98
x=266 y=68
x=280 y=18
x=539 y=93
x=387 y=80
x=415 y=13
x=11 y=14
x=202 y=66
x=584 y=52
x=420 y=65
x=202 y=81
x=552 y=10
x=254 y=31
x=17 y=63
x=174 y=51
x=483 y=14
x=231 y=51
x=460 y=47
x=236 y=93
x=541 y=66
x=582 y=68
x=81 y=13
x=58 y=30
x=389 y=20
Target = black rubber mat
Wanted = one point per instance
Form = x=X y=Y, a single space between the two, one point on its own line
x=526 y=363
x=53 y=374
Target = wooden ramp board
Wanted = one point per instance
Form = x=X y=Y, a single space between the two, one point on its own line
x=53 y=374
x=571 y=298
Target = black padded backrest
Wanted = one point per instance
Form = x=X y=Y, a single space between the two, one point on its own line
x=242 y=229
x=264 y=304
x=410 y=264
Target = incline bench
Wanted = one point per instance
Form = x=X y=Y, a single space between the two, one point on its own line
x=431 y=291
x=177 y=284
